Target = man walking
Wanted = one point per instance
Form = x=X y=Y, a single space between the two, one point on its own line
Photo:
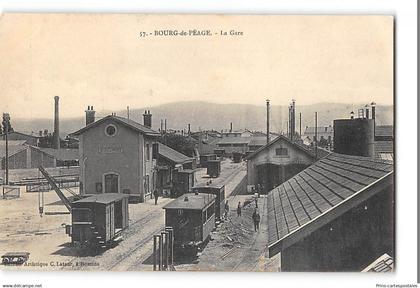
x=156 y=195
x=239 y=210
x=256 y=217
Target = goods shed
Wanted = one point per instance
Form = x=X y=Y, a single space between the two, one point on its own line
x=336 y=215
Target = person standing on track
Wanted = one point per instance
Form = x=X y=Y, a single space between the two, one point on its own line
x=239 y=210
x=256 y=218
x=156 y=195
x=226 y=209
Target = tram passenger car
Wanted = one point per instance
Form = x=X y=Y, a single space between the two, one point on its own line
x=192 y=217
x=219 y=192
x=98 y=220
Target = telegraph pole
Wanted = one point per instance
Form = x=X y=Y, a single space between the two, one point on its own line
x=268 y=120
x=6 y=125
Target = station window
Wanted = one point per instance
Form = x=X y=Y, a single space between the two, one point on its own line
x=147 y=152
x=110 y=130
x=282 y=152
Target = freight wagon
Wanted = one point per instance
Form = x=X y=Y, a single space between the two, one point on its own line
x=98 y=220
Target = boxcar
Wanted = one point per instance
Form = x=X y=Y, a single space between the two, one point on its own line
x=237 y=157
x=216 y=190
x=213 y=168
x=205 y=158
x=98 y=220
x=192 y=217
x=183 y=181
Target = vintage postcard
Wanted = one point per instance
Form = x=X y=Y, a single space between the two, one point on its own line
x=197 y=142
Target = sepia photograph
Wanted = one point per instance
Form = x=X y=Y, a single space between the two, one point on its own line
x=224 y=143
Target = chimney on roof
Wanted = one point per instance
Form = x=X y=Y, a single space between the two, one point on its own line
x=56 y=134
x=367 y=111
x=373 y=104
x=90 y=115
x=147 y=119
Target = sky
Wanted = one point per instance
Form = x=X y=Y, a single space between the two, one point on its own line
x=100 y=60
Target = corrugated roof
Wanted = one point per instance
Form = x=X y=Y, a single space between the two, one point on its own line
x=104 y=198
x=13 y=148
x=173 y=155
x=385 y=263
x=234 y=140
x=384 y=130
x=195 y=202
x=127 y=122
x=320 y=129
x=61 y=154
x=304 y=203
x=12 y=142
x=384 y=150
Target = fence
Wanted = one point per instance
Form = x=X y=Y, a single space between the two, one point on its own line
x=163 y=250
x=11 y=192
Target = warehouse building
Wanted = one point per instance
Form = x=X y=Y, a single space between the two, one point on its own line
x=23 y=156
x=115 y=156
x=277 y=161
x=336 y=215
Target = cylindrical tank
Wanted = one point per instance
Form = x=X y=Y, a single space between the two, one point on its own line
x=354 y=137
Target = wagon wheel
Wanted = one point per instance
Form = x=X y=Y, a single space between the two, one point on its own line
x=6 y=260
x=21 y=259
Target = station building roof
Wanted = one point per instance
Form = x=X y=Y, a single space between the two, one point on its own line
x=321 y=193
x=123 y=121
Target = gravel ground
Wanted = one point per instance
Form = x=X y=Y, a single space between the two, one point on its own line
x=22 y=229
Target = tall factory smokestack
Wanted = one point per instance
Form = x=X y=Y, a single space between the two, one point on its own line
x=231 y=127
x=292 y=120
x=90 y=115
x=268 y=120
x=56 y=134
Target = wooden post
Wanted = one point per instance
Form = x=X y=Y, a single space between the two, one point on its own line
x=170 y=231
x=160 y=252
x=156 y=241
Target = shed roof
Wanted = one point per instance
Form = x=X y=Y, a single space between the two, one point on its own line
x=173 y=155
x=384 y=150
x=299 y=146
x=61 y=154
x=104 y=198
x=385 y=263
x=124 y=121
x=195 y=202
x=234 y=140
x=384 y=130
x=12 y=147
x=321 y=193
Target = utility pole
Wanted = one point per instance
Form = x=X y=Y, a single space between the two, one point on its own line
x=316 y=135
x=268 y=120
x=6 y=125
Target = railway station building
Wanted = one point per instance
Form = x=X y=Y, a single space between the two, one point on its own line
x=118 y=155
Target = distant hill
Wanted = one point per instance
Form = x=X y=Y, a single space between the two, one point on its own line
x=206 y=115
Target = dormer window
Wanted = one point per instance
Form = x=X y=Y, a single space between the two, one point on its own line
x=110 y=130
